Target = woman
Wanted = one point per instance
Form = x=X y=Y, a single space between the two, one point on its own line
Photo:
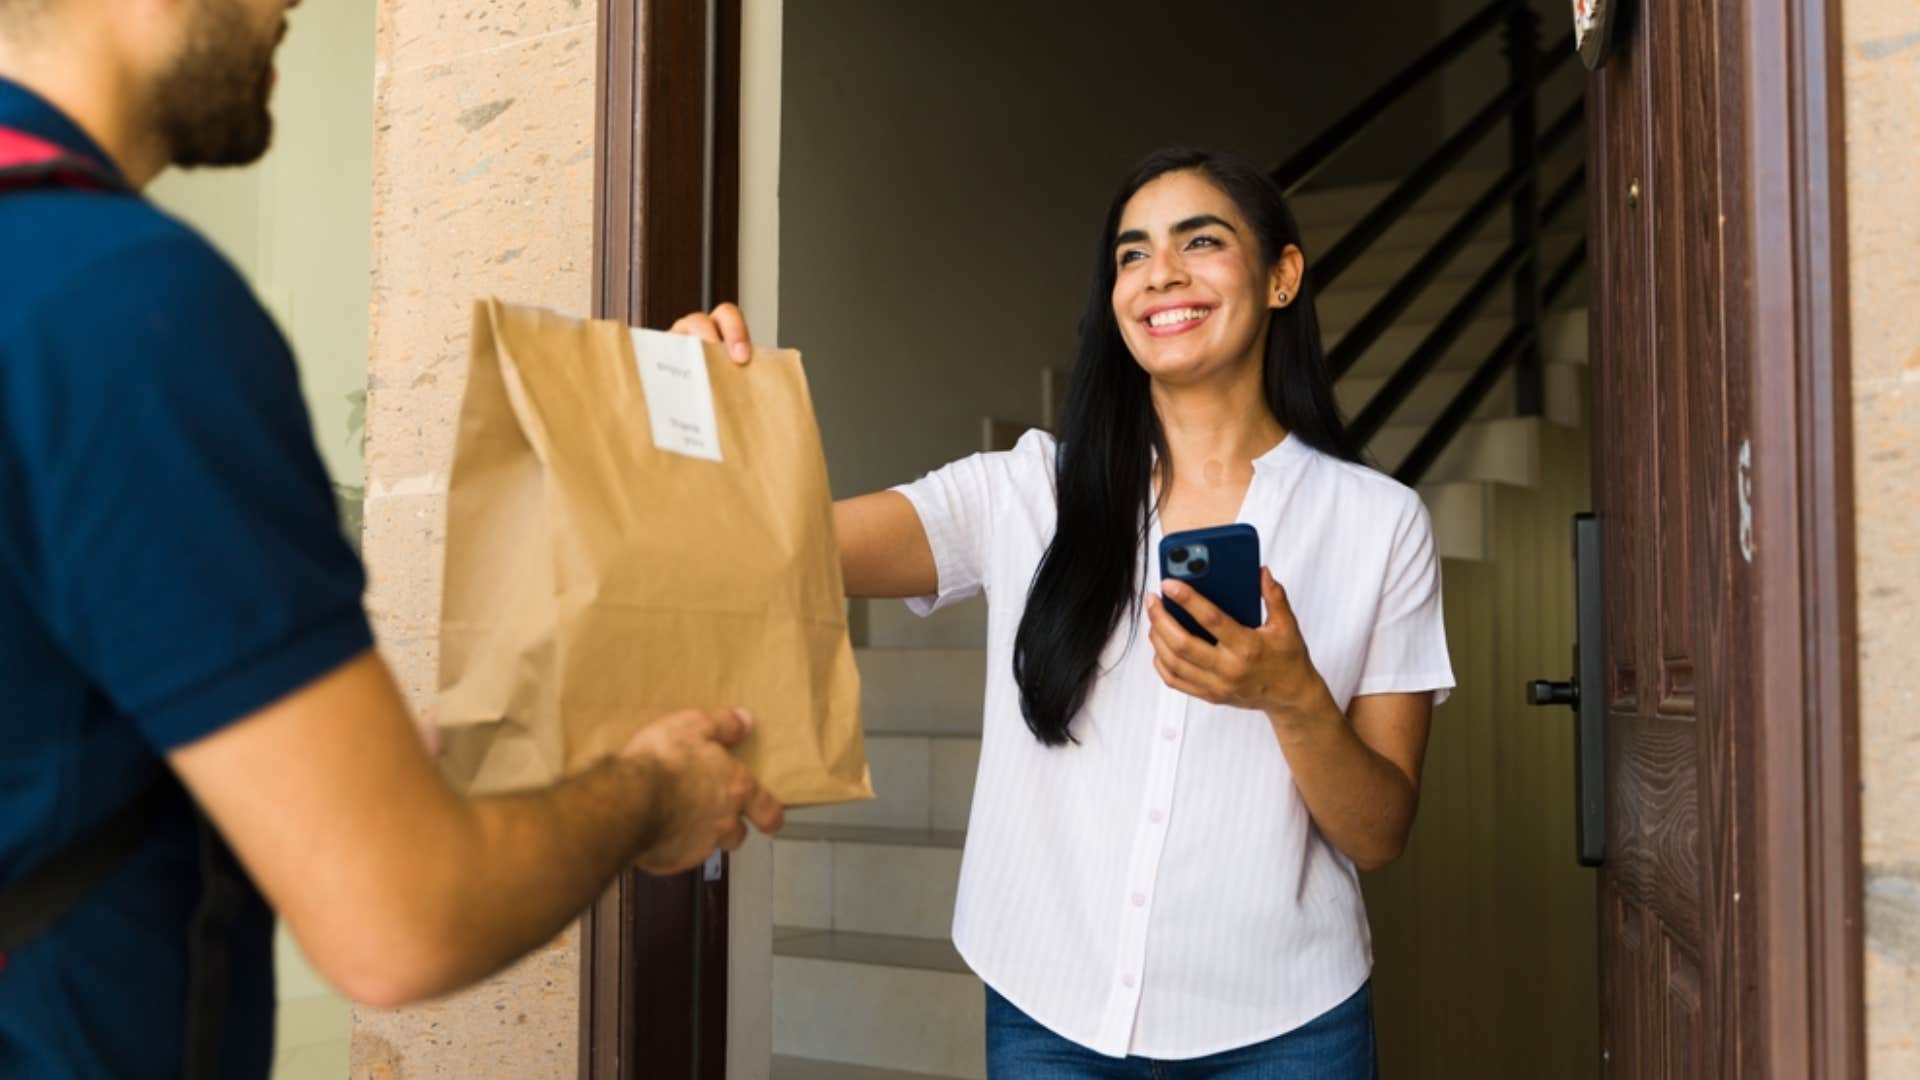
x=1160 y=868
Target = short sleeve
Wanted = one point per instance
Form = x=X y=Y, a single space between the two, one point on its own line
x=1407 y=650
x=955 y=504
x=175 y=527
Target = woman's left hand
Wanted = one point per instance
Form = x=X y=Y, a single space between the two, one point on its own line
x=725 y=326
x=1265 y=668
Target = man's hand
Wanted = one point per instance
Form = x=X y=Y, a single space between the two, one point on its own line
x=400 y=890
x=726 y=326
x=701 y=790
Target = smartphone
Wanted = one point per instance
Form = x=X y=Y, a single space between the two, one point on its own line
x=1221 y=564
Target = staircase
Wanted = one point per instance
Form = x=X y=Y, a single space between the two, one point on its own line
x=866 y=985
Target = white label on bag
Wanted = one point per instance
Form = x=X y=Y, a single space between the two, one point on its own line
x=673 y=372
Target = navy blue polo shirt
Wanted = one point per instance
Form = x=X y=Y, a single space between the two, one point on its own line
x=170 y=562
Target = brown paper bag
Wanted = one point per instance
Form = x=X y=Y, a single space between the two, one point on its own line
x=595 y=582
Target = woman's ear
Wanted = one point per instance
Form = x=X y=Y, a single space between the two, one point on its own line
x=1283 y=279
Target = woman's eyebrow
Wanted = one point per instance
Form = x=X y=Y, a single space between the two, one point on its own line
x=1192 y=224
x=1201 y=221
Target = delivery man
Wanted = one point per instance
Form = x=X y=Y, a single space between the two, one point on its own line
x=197 y=734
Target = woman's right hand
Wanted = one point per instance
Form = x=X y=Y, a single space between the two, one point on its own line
x=883 y=548
x=725 y=325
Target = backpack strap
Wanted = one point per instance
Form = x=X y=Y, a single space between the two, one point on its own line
x=30 y=906
x=223 y=892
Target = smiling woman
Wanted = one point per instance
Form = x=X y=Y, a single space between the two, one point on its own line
x=1161 y=858
x=1182 y=298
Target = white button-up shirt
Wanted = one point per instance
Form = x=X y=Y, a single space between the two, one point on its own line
x=1158 y=888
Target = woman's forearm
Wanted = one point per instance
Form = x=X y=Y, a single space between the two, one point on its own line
x=1362 y=802
x=883 y=548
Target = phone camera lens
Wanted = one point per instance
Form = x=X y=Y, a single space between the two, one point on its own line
x=1178 y=554
x=1198 y=566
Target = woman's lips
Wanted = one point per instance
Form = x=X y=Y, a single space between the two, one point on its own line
x=1177 y=320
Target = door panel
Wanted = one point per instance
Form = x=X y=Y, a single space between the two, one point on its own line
x=1660 y=466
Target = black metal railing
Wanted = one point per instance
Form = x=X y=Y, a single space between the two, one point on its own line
x=1517 y=267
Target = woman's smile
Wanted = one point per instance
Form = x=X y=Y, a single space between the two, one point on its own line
x=1169 y=319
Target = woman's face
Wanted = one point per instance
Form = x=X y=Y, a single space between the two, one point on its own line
x=1191 y=293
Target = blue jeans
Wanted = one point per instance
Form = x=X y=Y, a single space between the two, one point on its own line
x=1336 y=1045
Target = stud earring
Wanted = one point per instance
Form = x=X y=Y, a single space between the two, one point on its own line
x=1283 y=298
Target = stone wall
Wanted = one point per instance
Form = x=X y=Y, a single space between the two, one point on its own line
x=1882 y=72
x=482 y=184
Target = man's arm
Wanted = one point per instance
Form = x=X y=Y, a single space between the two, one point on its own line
x=397 y=888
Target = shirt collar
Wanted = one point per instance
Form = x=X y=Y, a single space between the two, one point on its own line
x=1284 y=453
x=25 y=111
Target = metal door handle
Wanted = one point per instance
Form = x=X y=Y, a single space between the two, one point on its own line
x=1548 y=692
x=1589 y=707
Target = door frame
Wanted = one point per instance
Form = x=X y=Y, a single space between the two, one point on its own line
x=667 y=181
x=1803 y=934
x=653 y=951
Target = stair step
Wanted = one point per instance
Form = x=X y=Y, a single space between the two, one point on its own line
x=927 y=691
x=877 y=1001
x=1459 y=513
x=899 y=882
x=793 y=1068
x=1564 y=395
x=1344 y=304
x=1563 y=339
x=870 y=950
x=1504 y=451
x=920 y=781
x=1420 y=229
x=1455 y=190
x=1387 y=260
x=890 y=624
x=875 y=836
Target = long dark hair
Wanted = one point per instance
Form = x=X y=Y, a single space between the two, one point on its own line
x=1109 y=434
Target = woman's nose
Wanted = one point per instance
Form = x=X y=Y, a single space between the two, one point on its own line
x=1166 y=270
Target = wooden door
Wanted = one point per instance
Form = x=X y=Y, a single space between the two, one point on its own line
x=1662 y=378
x=1724 y=933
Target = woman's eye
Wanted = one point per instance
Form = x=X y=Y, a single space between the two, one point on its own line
x=1132 y=256
x=1200 y=241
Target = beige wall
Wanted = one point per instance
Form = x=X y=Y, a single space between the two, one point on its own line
x=945 y=167
x=482 y=183
x=1485 y=959
x=750 y=890
x=1881 y=62
x=296 y=224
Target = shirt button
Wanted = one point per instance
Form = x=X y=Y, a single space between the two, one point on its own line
x=1128 y=981
x=1139 y=899
x=1169 y=734
x=1157 y=817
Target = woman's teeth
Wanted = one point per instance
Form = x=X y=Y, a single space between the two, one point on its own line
x=1176 y=316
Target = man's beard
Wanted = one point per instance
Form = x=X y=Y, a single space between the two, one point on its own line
x=212 y=107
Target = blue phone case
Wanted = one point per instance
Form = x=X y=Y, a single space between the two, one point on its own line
x=1221 y=564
